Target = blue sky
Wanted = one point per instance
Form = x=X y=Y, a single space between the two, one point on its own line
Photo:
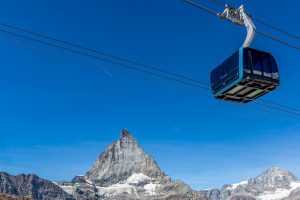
x=57 y=115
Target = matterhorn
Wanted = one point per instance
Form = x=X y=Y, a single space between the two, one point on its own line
x=124 y=171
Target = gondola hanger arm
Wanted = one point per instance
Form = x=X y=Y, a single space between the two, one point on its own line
x=240 y=17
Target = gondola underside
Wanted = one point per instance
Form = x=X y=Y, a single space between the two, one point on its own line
x=247 y=90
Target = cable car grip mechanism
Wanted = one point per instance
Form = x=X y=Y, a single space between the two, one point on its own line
x=240 y=17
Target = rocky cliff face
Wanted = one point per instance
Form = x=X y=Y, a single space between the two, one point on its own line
x=120 y=160
x=32 y=187
x=125 y=171
x=12 y=197
x=273 y=184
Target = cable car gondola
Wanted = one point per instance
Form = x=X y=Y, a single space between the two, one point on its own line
x=245 y=75
x=248 y=73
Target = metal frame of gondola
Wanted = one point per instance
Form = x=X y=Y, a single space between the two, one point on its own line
x=240 y=17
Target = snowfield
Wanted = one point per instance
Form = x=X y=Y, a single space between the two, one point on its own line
x=135 y=182
x=130 y=186
x=279 y=193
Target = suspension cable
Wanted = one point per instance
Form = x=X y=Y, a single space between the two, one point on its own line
x=124 y=65
x=103 y=59
x=264 y=23
x=281 y=105
x=277 y=29
x=197 y=5
x=97 y=65
x=278 y=40
x=102 y=53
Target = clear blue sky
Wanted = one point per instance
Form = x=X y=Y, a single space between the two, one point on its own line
x=57 y=115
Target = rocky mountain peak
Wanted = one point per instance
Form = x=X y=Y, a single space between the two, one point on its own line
x=274 y=177
x=277 y=172
x=125 y=171
x=126 y=136
x=120 y=160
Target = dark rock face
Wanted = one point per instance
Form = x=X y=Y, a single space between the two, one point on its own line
x=242 y=197
x=213 y=193
x=31 y=186
x=126 y=136
x=178 y=190
x=12 y=197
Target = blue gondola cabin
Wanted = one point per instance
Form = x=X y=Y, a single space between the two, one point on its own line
x=244 y=76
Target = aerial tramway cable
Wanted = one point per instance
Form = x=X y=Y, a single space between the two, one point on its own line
x=114 y=62
x=126 y=60
x=103 y=53
x=102 y=59
x=97 y=65
x=265 y=23
x=267 y=35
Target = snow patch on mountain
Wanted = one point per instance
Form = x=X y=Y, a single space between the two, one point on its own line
x=137 y=178
x=279 y=193
x=67 y=188
x=150 y=188
x=235 y=185
x=135 y=182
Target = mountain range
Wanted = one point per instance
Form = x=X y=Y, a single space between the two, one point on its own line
x=124 y=171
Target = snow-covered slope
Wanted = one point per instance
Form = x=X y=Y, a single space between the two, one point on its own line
x=137 y=182
x=273 y=184
x=279 y=193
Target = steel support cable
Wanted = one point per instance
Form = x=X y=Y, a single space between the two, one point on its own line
x=277 y=29
x=103 y=59
x=121 y=64
x=74 y=51
x=122 y=59
x=282 y=114
x=130 y=61
x=218 y=2
x=103 y=53
x=283 y=110
x=160 y=84
x=277 y=104
x=278 y=39
x=139 y=78
x=272 y=112
x=265 y=23
x=197 y=5
x=98 y=66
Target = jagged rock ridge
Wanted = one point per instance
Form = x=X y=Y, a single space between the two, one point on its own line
x=273 y=184
x=31 y=186
x=12 y=197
